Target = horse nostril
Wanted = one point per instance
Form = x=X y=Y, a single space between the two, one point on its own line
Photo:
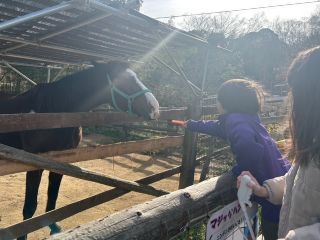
x=155 y=114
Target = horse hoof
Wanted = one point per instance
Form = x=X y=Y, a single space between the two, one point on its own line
x=55 y=228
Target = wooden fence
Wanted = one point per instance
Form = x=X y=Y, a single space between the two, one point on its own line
x=161 y=218
x=14 y=160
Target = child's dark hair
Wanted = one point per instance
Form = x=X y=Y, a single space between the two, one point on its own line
x=241 y=96
x=304 y=80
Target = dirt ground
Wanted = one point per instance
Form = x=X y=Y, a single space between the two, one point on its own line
x=131 y=167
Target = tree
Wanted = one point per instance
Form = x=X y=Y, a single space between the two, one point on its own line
x=227 y=23
x=292 y=32
x=314 y=25
x=256 y=23
x=262 y=53
x=129 y=4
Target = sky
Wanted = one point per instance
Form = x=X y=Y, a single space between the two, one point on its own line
x=159 y=8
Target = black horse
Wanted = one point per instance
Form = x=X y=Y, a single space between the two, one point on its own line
x=112 y=83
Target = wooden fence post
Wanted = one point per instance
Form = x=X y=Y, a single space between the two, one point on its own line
x=209 y=157
x=190 y=147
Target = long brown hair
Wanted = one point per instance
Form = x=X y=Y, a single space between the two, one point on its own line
x=304 y=80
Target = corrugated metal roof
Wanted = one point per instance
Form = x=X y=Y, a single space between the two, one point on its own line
x=79 y=31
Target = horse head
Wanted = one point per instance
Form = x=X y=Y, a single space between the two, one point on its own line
x=127 y=92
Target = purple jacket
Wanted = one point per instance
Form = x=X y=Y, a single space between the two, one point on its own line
x=254 y=151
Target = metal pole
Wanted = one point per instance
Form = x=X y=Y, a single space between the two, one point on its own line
x=60 y=32
x=227 y=50
x=20 y=73
x=167 y=66
x=59 y=74
x=205 y=70
x=48 y=75
x=184 y=77
x=34 y=15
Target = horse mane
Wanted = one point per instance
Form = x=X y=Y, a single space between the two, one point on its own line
x=112 y=67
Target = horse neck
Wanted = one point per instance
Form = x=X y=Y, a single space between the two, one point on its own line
x=79 y=92
x=18 y=104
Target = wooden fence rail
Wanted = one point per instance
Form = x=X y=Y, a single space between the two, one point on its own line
x=74 y=171
x=32 y=121
x=161 y=218
x=69 y=210
x=64 y=212
x=96 y=152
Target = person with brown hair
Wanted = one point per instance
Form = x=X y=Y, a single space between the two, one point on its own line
x=299 y=189
x=240 y=102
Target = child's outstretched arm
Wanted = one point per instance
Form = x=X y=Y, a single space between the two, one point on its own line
x=211 y=127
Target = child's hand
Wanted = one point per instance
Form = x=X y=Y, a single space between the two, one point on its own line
x=257 y=189
x=180 y=123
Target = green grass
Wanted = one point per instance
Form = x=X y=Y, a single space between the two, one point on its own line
x=195 y=233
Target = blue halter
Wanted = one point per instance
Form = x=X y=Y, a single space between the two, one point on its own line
x=129 y=98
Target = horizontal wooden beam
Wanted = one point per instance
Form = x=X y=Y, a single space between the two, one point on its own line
x=32 y=121
x=69 y=210
x=161 y=218
x=95 y=152
x=74 y=171
x=276 y=119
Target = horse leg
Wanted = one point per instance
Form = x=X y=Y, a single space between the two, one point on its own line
x=30 y=202
x=53 y=191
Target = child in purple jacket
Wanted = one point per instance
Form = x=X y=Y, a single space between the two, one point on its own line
x=239 y=101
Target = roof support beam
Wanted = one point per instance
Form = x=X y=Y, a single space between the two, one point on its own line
x=195 y=89
x=205 y=70
x=59 y=48
x=20 y=73
x=31 y=16
x=15 y=63
x=39 y=59
x=62 y=70
x=67 y=29
x=48 y=74
x=99 y=47
x=174 y=71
